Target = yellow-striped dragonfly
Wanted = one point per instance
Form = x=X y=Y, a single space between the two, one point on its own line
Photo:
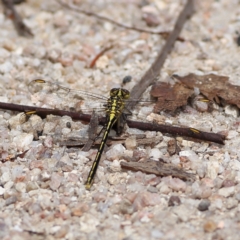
x=114 y=106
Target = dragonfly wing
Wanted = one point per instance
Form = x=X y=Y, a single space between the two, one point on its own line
x=56 y=95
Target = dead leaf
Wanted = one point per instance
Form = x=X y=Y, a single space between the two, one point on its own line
x=213 y=87
x=170 y=97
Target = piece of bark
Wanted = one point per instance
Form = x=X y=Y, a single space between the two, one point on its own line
x=159 y=169
x=170 y=97
x=213 y=87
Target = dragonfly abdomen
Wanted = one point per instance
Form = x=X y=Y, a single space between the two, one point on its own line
x=94 y=167
x=114 y=109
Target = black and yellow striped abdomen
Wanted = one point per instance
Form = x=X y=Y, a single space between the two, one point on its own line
x=115 y=106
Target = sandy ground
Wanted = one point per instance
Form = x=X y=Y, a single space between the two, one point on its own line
x=42 y=195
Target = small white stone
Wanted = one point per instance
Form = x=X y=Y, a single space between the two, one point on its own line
x=2 y=190
x=231 y=110
x=23 y=141
x=20 y=187
x=164 y=189
x=66 y=131
x=6 y=176
x=113 y=178
x=102 y=62
x=108 y=26
x=35 y=62
x=217 y=203
x=6 y=115
x=186 y=153
x=231 y=203
x=186 y=143
x=17 y=171
x=131 y=142
x=226 y=191
x=15 y=121
x=4 y=53
x=6 y=67
x=155 y=154
x=48 y=141
x=234 y=164
x=201 y=106
x=8 y=185
x=48 y=127
x=115 y=166
x=183 y=212
x=177 y=184
x=212 y=169
x=116 y=152
x=232 y=134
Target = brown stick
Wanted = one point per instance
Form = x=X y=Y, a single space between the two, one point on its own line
x=73 y=7
x=187 y=132
x=158 y=168
x=93 y=62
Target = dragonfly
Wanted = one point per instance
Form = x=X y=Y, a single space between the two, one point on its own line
x=114 y=107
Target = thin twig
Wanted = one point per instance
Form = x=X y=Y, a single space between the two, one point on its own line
x=73 y=7
x=93 y=62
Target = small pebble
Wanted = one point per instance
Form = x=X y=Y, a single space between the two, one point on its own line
x=55 y=181
x=209 y=226
x=174 y=201
x=203 y=205
x=2 y=190
x=80 y=209
x=231 y=203
x=226 y=191
x=10 y=200
x=20 y=187
x=126 y=207
x=177 y=184
x=115 y=152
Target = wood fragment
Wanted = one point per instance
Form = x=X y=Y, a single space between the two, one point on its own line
x=170 y=97
x=158 y=168
x=213 y=87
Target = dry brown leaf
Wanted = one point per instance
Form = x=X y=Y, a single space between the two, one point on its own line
x=170 y=97
x=213 y=87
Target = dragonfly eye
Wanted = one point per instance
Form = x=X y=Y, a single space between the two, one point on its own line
x=114 y=92
x=124 y=93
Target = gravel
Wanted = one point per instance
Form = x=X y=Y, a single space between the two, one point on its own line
x=42 y=194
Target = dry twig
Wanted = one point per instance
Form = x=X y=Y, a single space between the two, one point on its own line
x=11 y=12
x=75 y=8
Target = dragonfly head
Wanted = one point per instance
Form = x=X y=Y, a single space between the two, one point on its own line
x=120 y=92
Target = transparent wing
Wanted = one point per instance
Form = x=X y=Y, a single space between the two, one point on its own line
x=55 y=95
x=52 y=94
